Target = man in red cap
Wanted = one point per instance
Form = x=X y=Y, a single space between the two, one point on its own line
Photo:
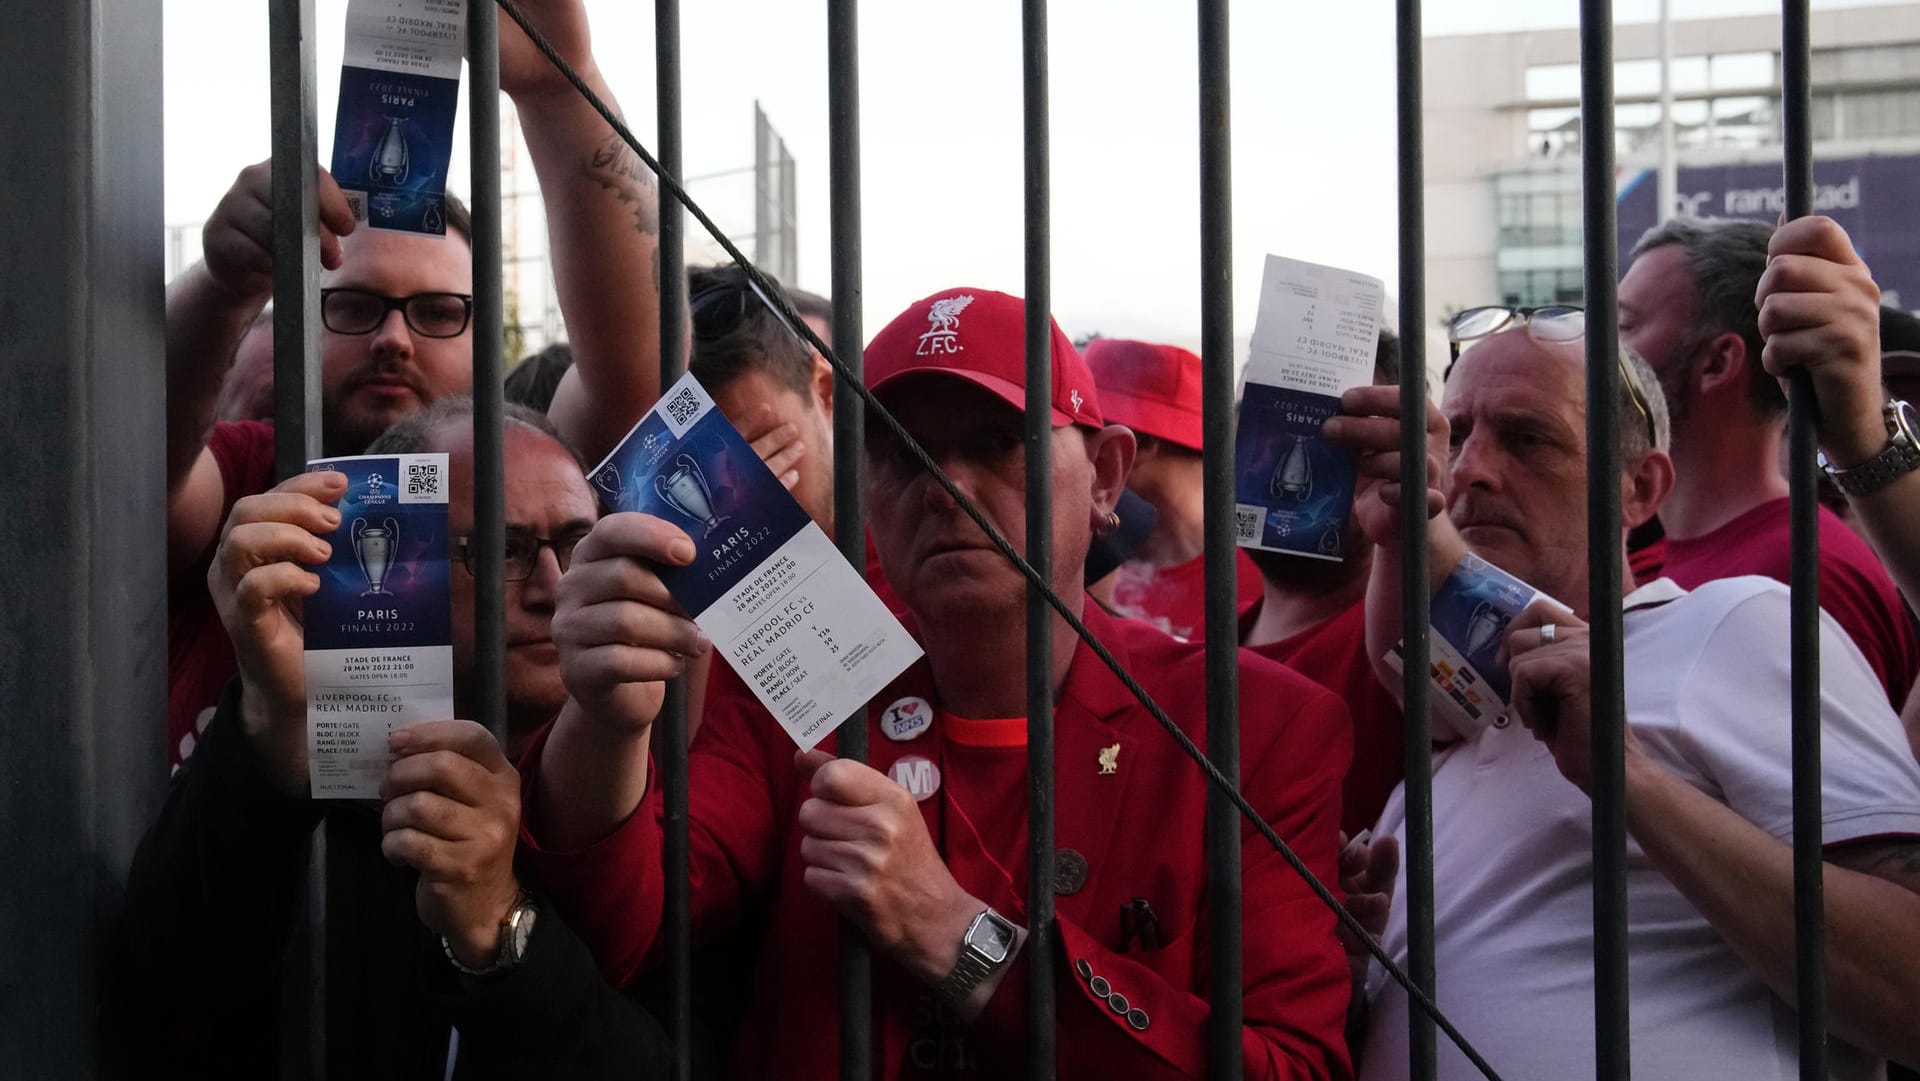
x=1155 y=390
x=925 y=849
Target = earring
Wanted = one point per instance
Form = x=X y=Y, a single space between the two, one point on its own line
x=1109 y=526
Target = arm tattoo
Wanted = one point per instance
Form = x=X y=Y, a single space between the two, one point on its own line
x=1896 y=861
x=616 y=168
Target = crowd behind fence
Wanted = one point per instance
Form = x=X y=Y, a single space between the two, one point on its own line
x=857 y=414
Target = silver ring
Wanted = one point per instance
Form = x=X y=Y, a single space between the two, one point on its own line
x=1547 y=631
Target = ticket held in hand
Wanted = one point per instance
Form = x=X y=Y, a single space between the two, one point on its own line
x=1313 y=339
x=780 y=603
x=393 y=132
x=379 y=632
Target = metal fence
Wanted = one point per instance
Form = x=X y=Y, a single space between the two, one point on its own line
x=62 y=850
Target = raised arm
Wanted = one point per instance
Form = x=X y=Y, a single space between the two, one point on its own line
x=209 y=307
x=1370 y=423
x=1737 y=873
x=1820 y=311
x=603 y=226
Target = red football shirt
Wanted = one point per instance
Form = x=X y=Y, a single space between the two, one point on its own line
x=1334 y=655
x=199 y=654
x=1854 y=587
x=1174 y=598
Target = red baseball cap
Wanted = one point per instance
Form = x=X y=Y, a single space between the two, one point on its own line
x=980 y=336
x=1153 y=389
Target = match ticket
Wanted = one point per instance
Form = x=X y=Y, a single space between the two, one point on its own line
x=399 y=87
x=379 y=632
x=795 y=620
x=1314 y=338
x=1471 y=612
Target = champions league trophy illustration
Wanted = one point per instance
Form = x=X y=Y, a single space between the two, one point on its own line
x=686 y=490
x=374 y=546
x=608 y=481
x=1293 y=477
x=391 y=161
x=433 y=221
x=1484 y=628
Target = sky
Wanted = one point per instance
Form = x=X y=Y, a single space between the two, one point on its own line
x=1312 y=112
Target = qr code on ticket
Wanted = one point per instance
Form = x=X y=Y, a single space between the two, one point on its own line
x=423 y=480
x=683 y=407
x=1246 y=525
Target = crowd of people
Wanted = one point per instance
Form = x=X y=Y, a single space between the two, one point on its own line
x=504 y=912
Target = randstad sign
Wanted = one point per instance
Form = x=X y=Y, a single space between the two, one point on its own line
x=1871 y=197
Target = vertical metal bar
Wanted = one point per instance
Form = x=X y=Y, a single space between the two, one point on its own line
x=83 y=585
x=296 y=406
x=1041 y=1058
x=1224 y=1058
x=489 y=409
x=849 y=454
x=1604 y=574
x=1416 y=591
x=1810 y=985
x=296 y=238
x=677 y=908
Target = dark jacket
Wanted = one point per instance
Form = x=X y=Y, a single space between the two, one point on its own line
x=217 y=902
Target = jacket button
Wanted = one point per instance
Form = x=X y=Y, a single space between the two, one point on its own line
x=1119 y=1003
x=1069 y=872
x=1138 y=1019
x=1099 y=986
x=1085 y=970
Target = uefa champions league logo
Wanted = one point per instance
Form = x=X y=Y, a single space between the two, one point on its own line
x=686 y=490
x=374 y=485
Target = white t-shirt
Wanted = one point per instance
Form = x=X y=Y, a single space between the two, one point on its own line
x=1707 y=694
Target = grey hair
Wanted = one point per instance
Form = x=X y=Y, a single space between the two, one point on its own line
x=413 y=433
x=1633 y=426
x=1726 y=257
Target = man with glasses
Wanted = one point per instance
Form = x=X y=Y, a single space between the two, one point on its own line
x=1688 y=305
x=396 y=328
x=1708 y=792
x=442 y=933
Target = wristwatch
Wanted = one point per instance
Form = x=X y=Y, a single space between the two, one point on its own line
x=516 y=930
x=1900 y=455
x=983 y=949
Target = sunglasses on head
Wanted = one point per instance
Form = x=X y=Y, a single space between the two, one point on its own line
x=720 y=308
x=1551 y=324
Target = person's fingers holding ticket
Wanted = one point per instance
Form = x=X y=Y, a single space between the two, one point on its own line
x=618 y=630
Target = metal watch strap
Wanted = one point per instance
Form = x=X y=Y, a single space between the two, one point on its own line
x=967 y=973
x=1898 y=457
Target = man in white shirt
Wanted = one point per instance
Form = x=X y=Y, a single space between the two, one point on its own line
x=1708 y=771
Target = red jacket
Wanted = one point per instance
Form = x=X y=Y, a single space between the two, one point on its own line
x=1140 y=830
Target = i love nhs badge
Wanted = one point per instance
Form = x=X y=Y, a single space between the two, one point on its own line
x=907 y=719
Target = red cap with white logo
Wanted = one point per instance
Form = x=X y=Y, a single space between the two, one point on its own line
x=980 y=336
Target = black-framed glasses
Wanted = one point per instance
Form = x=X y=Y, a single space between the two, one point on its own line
x=361 y=311
x=1552 y=324
x=523 y=552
